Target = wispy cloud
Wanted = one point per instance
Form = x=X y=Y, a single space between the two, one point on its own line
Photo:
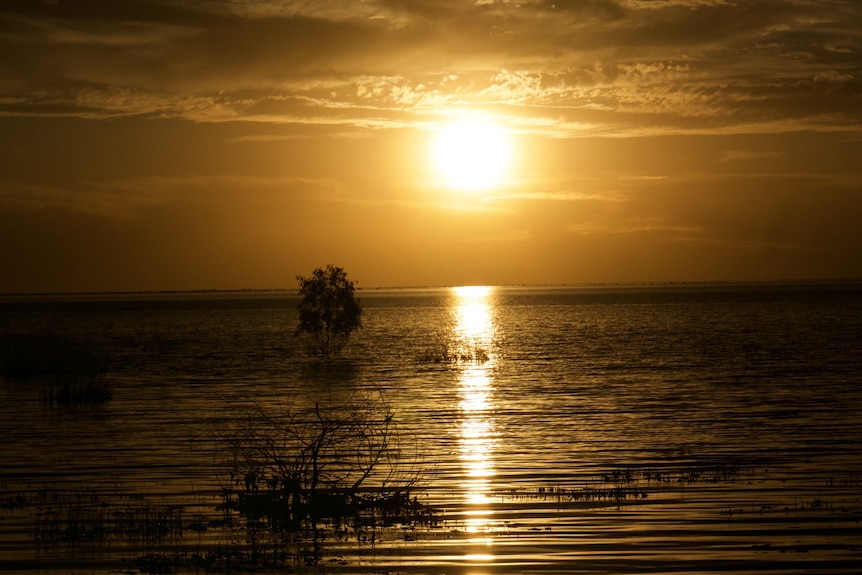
x=130 y=198
x=683 y=233
x=618 y=67
x=744 y=155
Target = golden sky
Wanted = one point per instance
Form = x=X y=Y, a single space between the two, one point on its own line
x=152 y=145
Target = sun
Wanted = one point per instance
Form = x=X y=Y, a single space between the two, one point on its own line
x=472 y=154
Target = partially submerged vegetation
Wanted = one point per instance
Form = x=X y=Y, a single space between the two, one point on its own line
x=258 y=524
x=331 y=460
x=328 y=311
x=75 y=390
x=65 y=373
x=445 y=350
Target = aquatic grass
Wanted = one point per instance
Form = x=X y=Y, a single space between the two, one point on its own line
x=690 y=473
x=628 y=484
x=65 y=373
x=77 y=516
x=75 y=390
x=443 y=350
x=245 y=532
x=91 y=519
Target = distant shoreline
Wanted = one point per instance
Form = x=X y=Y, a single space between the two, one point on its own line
x=234 y=291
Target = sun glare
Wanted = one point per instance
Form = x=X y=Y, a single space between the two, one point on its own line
x=472 y=154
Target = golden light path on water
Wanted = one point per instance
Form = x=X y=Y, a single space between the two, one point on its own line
x=474 y=331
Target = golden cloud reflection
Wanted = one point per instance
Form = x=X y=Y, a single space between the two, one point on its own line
x=474 y=333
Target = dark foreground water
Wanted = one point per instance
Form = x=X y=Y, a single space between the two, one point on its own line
x=633 y=429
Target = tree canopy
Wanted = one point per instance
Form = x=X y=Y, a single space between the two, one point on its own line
x=328 y=311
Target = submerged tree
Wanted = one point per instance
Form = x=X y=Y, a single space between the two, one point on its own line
x=332 y=458
x=328 y=311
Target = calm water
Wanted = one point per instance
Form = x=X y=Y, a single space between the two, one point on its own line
x=731 y=412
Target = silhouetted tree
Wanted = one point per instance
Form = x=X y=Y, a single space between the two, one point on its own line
x=328 y=312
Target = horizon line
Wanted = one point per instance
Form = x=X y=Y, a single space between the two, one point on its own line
x=441 y=286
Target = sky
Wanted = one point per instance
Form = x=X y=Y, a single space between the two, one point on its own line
x=233 y=144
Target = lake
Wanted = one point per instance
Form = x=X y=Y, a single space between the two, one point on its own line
x=594 y=429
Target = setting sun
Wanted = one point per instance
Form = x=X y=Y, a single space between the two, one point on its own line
x=472 y=154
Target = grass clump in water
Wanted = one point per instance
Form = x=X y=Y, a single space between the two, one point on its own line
x=443 y=350
x=66 y=373
x=76 y=390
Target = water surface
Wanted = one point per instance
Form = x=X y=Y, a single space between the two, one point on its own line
x=726 y=417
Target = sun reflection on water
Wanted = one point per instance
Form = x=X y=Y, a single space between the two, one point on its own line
x=474 y=327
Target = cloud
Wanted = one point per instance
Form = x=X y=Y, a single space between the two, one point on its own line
x=615 y=67
x=129 y=199
x=744 y=155
x=682 y=233
x=559 y=196
x=640 y=178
